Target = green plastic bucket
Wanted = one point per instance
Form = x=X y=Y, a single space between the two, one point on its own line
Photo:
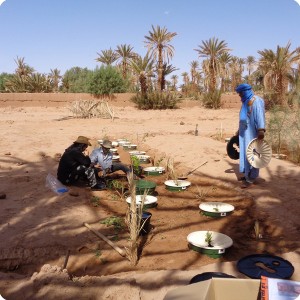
x=144 y=186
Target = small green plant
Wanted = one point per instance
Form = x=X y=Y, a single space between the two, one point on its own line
x=98 y=253
x=115 y=238
x=114 y=197
x=208 y=239
x=116 y=222
x=118 y=186
x=216 y=209
x=135 y=163
x=95 y=201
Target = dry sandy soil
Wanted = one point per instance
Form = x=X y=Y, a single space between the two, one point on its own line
x=39 y=228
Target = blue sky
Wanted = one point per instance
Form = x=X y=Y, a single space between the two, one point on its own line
x=63 y=34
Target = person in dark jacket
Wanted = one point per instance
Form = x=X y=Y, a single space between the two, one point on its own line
x=74 y=164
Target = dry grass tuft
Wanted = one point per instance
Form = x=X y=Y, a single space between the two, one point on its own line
x=170 y=170
x=133 y=221
x=88 y=109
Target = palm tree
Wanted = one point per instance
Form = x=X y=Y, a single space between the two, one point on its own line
x=186 y=82
x=159 y=47
x=250 y=62
x=194 y=69
x=174 y=80
x=142 y=67
x=55 y=78
x=206 y=74
x=212 y=49
x=23 y=69
x=225 y=59
x=38 y=83
x=235 y=74
x=241 y=63
x=107 y=57
x=186 y=79
x=277 y=67
x=125 y=54
x=166 y=70
x=16 y=84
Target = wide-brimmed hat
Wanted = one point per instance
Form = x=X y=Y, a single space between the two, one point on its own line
x=107 y=144
x=83 y=140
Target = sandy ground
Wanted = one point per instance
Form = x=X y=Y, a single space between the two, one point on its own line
x=39 y=228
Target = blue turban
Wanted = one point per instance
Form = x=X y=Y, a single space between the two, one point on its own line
x=245 y=91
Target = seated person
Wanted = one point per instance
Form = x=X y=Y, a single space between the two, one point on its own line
x=74 y=164
x=103 y=158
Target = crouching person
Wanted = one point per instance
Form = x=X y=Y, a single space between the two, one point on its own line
x=102 y=157
x=75 y=165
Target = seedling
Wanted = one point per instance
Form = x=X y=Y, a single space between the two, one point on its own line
x=98 y=253
x=208 y=239
x=135 y=162
x=119 y=187
x=116 y=222
x=114 y=198
x=95 y=201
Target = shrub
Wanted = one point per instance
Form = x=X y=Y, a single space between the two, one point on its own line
x=284 y=132
x=212 y=99
x=107 y=80
x=3 y=78
x=76 y=80
x=155 y=100
x=271 y=99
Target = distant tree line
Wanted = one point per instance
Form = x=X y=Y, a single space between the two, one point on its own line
x=275 y=74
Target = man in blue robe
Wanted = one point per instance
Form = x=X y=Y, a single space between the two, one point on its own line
x=251 y=126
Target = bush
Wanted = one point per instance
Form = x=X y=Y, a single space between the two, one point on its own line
x=212 y=99
x=155 y=100
x=76 y=80
x=106 y=81
x=3 y=78
x=271 y=100
x=284 y=132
